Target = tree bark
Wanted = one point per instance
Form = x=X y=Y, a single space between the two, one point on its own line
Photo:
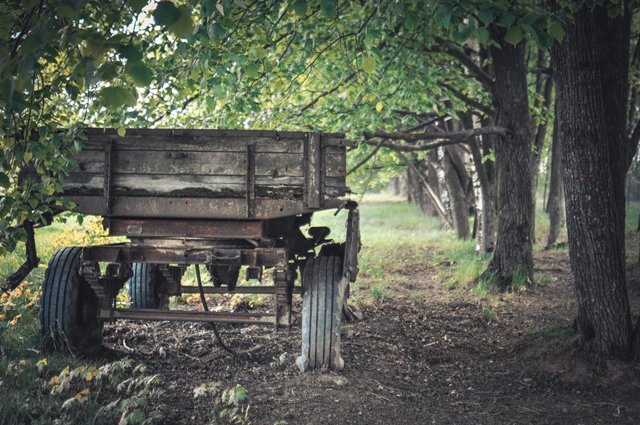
x=416 y=195
x=513 y=252
x=555 y=204
x=483 y=190
x=545 y=90
x=456 y=194
x=591 y=71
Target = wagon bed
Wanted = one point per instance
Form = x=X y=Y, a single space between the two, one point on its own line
x=213 y=174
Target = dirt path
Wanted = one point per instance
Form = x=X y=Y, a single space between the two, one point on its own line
x=429 y=355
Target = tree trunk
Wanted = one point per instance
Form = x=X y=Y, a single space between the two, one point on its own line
x=591 y=71
x=513 y=252
x=416 y=195
x=457 y=202
x=485 y=211
x=483 y=190
x=555 y=204
x=545 y=90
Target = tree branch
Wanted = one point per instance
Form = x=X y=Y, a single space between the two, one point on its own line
x=182 y=108
x=432 y=193
x=366 y=158
x=466 y=99
x=325 y=93
x=475 y=69
x=418 y=148
x=435 y=135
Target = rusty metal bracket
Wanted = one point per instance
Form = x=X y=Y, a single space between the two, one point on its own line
x=31 y=262
x=352 y=244
x=186 y=316
x=313 y=171
x=108 y=162
x=284 y=280
x=251 y=180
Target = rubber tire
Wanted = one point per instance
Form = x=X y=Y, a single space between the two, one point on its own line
x=224 y=275
x=69 y=307
x=144 y=286
x=321 y=314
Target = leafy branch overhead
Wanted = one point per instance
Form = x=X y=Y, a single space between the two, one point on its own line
x=311 y=64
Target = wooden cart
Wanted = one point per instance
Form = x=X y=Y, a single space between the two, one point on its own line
x=218 y=198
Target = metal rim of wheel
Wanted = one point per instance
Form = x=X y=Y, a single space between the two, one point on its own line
x=145 y=287
x=69 y=307
x=322 y=295
x=224 y=275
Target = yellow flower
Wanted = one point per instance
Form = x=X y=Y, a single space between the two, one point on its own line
x=14 y=321
x=41 y=364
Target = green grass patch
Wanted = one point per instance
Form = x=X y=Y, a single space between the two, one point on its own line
x=542 y=279
x=557 y=332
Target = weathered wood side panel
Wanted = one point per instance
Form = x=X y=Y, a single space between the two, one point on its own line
x=204 y=173
x=203 y=163
x=205 y=208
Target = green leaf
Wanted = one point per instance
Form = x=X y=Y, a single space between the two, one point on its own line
x=166 y=13
x=443 y=15
x=183 y=27
x=129 y=52
x=136 y=417
x=252 y=70
x=121 y=131
x=211 y=103
x=4 y=180
x=300 y=7
x=514 y=35
x=482 y=34
x=485 y=14
x=410 y=22
x=137 y=5
x=507 y=19
x=108 y=71
x=215 y=30
x=140 y=73
x=556 y=31
x=369 y=64
x=329 y=8
x=114 y=97
x=260 y=52
x=379 y=106
x=67 y=10
x=240 y=393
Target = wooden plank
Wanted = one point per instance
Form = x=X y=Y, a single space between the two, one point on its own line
x=313 y=171
x=169 y=162
x=293 y=165
x=185 y=208
x=203 y=163
x=195 y=144
x=217 y=133
x=156 y=185
x=251 y=179
x=204 y=143
x=165 y=183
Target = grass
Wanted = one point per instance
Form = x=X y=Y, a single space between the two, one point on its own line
x=558 y=332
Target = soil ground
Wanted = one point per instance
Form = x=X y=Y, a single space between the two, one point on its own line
x=424 y=354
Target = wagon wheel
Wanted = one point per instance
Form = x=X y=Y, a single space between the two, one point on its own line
x=145 y=287
x=224 y=275
x=68 y=307
x=322 y=295
x=349 y=313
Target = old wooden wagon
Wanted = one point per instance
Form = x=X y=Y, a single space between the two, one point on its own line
x=218 y=198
